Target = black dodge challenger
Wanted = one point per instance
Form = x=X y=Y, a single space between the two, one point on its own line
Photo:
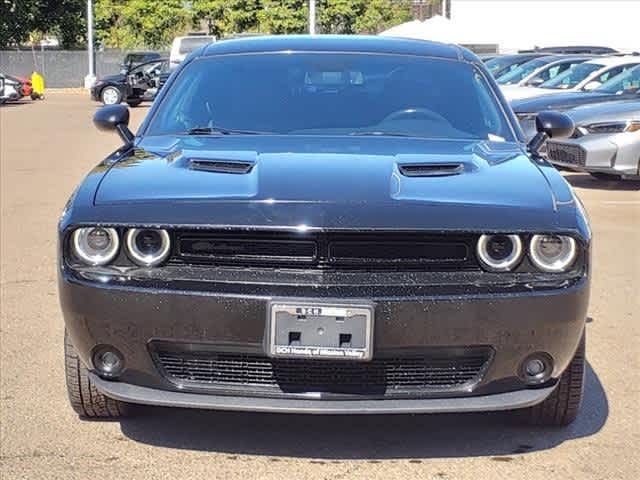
x=326 y=225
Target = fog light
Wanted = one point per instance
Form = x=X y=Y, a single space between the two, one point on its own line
x=536 y=368
x=108 y=361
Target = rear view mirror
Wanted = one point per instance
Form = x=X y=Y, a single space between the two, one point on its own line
x=114 y=117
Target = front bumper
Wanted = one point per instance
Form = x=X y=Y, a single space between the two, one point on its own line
x=232 y=317
x=617 y=154
x=162 y=398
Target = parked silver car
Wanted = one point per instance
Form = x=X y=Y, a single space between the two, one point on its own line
x=606 y=142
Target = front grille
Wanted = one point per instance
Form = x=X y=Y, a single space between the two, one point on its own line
x=381 y=376
x=396 y=251
x=567 y=154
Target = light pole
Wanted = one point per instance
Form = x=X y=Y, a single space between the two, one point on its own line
x=312 y=17
x=90 y=79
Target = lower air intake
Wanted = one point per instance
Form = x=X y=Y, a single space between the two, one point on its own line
x=382 y=376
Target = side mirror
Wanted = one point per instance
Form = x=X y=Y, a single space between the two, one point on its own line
x=114 y=117
x=550 y=125
x=591 y=86
x=535 y=82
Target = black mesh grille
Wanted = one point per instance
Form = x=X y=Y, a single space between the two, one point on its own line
x=568 y=154
x=225 y=249
x=398 y=251
x=380 y=376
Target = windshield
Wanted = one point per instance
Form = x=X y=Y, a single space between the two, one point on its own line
x=524 y=70
x=626 y=82
x=498 y=64
x=331 y=94
x=189 y=44
x=572 y=77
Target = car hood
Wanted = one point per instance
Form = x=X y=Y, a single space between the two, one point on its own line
x=329 y=182
x=559 y=101
x=603 y=112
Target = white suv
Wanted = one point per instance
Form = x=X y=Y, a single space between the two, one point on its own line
x=183 y=46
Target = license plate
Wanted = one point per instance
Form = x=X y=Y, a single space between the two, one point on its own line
x=320 y=331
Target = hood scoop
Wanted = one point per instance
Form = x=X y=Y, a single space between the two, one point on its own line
x=431 y=169
x=221 y=166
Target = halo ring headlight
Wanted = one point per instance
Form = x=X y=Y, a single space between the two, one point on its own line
x=499 y=253
x=95 y=246
x=552 y=253
x=148 y=247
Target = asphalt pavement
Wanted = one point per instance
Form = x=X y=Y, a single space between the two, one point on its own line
x=47 y=147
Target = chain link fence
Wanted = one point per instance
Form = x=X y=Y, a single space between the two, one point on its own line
x=60 y=68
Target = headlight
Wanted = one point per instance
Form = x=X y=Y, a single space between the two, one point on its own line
x=611 y=127
x=95 y=245
x=499 y=253
x=552 y=253
x=148 y=247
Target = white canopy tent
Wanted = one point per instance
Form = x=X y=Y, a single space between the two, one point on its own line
x=441 y=29
x=525 y=24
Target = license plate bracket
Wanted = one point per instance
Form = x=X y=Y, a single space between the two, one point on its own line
x=315 y=330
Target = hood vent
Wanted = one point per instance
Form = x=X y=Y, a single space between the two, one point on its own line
x=430 y=169
x=221 y=166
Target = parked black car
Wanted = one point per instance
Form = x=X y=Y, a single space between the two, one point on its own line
x=362 y=230
x=133 y=59
x=133 y=86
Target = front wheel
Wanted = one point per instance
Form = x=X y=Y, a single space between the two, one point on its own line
x=84 y=397
x=134 y=102
x=562 y=406
x=110 y=96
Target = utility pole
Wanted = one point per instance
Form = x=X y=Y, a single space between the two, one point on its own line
x=312 y=17
x=90 y=79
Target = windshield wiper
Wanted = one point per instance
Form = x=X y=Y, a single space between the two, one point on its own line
x=377 y=133
x=223 y=131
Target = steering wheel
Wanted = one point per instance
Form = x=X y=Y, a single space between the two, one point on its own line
x=411 y=112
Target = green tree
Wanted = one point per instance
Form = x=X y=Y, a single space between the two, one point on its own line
x=156 y=22
x=283 y=16
x=62 y=18
x=361 y=16
x=226 y=17
x=140 y=23
x=16 y=21
x=380 y=15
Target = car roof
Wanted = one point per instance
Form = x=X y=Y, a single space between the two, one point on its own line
x=338 y=43
x=615 y=60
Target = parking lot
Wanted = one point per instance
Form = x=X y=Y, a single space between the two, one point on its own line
x=45 y=150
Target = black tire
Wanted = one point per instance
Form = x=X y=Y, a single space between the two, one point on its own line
x=134 y=102
x=110 y=95
x=562 y=406
x=84 y=398
x=605 y=176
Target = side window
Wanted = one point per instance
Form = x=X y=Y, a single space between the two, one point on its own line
x=551 y=72
x=613 y=72
x=563 y=68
